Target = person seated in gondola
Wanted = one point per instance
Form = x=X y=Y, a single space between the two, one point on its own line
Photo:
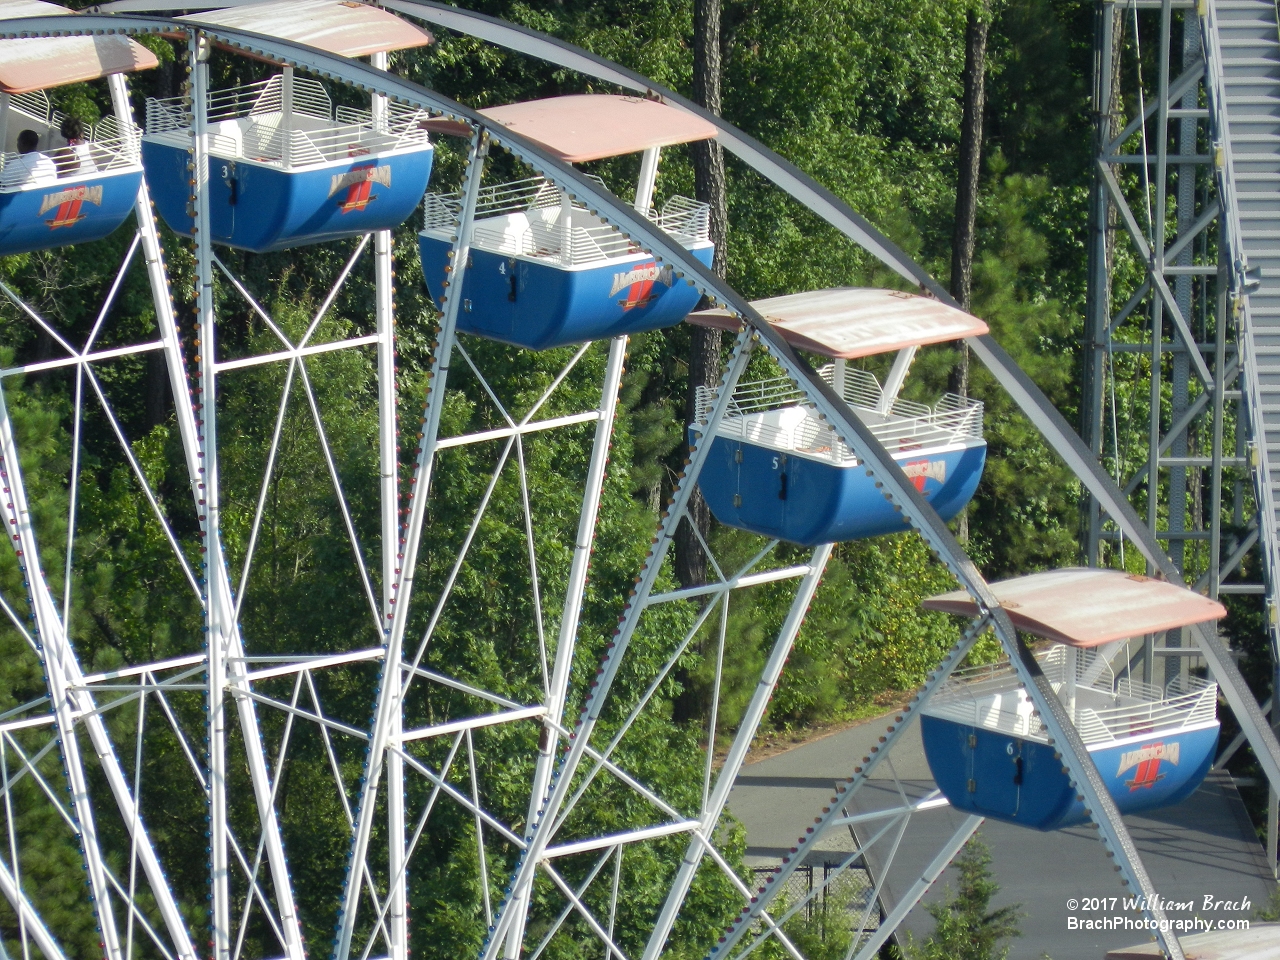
x=36 y=167
x=37 y=210
x=75 y=159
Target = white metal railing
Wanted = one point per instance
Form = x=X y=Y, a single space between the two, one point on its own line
x=1107 y=709
x=106 y=148
x=36 y=105
x=18 y=171
x=774 y=413
x=68 y=163
x=532 y=218
x=263 y=98
x=249 y=123
x=517 y=196
x=684 y=218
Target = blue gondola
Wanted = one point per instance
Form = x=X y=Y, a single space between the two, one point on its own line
x=533 y=285
x=776 y=469
x=543 y=271
x=40 y=213
x=1152 y=745
x=780 y=472
x=286 y=168
x=285 y=177
x=56 y=191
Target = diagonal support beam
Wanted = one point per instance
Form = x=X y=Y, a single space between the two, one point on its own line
x=1194 y=409
x=919 y=888
x=31 y=924
x=1179 y=87
x=541 y=828
x=388 y=711
x=59 y=664
x=738 y=751
x=833 y=814
x=1167 y=298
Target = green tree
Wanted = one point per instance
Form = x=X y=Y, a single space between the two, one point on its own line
x=967 y=927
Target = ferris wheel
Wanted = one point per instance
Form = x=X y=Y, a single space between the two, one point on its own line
x=511 y=779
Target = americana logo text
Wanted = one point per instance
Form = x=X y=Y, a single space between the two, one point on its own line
x=359 y=186
x=67 y=204
x=1145 y=762
x=638 y=282
x=918 y=471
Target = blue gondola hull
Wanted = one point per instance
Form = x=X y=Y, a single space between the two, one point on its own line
x=70 y=211
x=1045 y=799
x=261 y=208
x=538 y=305
x=826 y=503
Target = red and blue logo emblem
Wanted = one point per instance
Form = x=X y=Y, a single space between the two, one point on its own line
x=918 y=471
x=1145 y=764
x=639 y=282
x=67 y=204
x=358 y=183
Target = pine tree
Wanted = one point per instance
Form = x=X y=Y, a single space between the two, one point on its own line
x=967 y=927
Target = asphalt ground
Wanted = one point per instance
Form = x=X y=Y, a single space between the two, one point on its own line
x=1204 y=847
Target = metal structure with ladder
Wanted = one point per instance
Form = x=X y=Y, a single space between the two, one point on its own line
x=1161 y=370
x=1198 y=335
x=1244 y=74
x=1243 y=78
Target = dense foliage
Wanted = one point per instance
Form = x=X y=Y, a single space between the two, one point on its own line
x=865 y=97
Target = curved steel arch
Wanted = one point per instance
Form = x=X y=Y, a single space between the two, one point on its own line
x=825 y=204
x=821 y=201
x=877 y=461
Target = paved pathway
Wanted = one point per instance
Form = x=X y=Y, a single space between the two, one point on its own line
x=1203 y=847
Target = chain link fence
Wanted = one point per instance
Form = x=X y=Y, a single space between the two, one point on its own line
x=847 y=893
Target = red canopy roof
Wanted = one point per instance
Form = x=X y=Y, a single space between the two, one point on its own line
x=13 y=9
x=348 y=29
x=596 y=125
x=1087 y=607
x=38 y=63
x=849 y=322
